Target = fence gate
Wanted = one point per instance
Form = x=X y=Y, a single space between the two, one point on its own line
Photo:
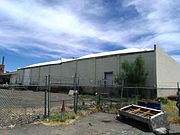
x=57 y=98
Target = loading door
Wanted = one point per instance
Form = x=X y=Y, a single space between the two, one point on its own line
x=108 y=78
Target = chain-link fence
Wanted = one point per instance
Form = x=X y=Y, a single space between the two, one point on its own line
x=125 y=94
x=70 y=101
x=41 y=96
x=20 y=107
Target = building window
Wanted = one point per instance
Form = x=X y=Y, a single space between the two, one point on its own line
x=108 y=79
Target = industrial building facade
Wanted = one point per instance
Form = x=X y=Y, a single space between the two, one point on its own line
x=163 y=71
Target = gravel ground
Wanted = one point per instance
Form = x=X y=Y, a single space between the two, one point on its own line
x=26 y=98
x=23 y=106
x=95 y=124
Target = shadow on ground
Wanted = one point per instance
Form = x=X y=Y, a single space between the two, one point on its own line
x=140 y=125
x=136 y=124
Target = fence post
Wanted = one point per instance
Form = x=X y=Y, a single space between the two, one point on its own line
x=178 y=101
x=45 y=96
x=49 y=89
x=75 y=92
x=122 y=88
x=76 y=105
x=136 y=97
x=99 y=95
x=99 y=98
x=77 y=87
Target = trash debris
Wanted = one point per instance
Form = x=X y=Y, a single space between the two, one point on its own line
x=150 y=103
x=156 y=119
x=161 y=131
x=12 y=126
x=72 y=92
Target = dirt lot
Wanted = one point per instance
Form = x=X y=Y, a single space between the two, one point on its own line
x=23 y=106
x=95 y=124
x=26 y=98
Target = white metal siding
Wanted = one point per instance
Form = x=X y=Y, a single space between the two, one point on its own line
x=86 y=72
x=44 y=71
x=106 y=64
x=26 y=80
x=35 y=76
x=150 y=65
x=168 y=74
x=55 y=73
x=91 y=70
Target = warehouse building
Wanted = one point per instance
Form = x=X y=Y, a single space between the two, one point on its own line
x=91 y=70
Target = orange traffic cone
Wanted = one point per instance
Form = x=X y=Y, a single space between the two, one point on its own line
x=63 y=107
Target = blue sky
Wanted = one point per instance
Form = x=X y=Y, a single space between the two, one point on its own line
x=33 y=31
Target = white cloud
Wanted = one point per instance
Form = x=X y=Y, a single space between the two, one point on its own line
x=177 y=58
x=44 y=24
x=61 y=28
x=161 y=18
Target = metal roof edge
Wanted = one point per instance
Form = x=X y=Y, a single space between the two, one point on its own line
x=81 y=58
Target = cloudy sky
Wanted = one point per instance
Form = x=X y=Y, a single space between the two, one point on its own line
x=33 y=31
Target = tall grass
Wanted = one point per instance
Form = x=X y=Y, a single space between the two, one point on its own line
x=169 y=106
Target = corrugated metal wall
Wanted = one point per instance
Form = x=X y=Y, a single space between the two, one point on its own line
x=89 y=71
